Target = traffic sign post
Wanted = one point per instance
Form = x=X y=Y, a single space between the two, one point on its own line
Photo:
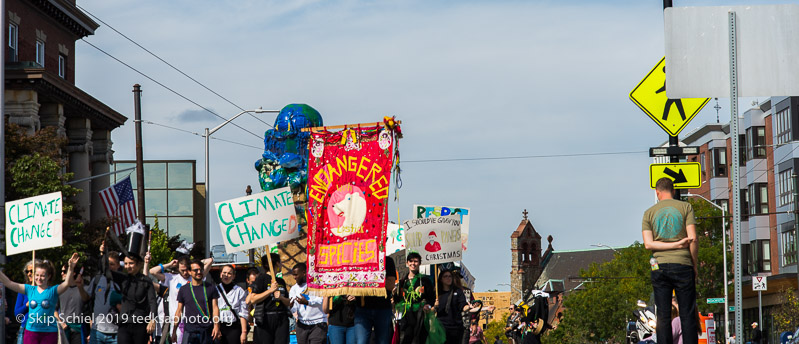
x=685 y=175
x=760 y=284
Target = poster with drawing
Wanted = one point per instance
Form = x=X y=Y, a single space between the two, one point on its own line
x=437 y=239
x=423 y=211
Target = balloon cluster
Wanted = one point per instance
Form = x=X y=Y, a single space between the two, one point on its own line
x=285 y=158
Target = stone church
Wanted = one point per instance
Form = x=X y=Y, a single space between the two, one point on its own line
x=526 y=258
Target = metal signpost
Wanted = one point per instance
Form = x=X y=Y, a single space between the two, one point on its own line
x=759 y=284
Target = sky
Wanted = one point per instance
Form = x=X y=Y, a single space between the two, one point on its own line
x=547 y=80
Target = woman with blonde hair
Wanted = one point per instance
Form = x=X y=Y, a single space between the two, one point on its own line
x=41 y=326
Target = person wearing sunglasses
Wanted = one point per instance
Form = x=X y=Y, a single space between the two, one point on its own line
x=201 y=317
x=175 y=281
x=21 y=308
x=41 y=326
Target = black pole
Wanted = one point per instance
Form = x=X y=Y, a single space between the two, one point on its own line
x=674 y=142
x=666 y=4
x=139 y=154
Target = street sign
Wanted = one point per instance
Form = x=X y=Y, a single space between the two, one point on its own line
x=672 y=115
x=715 y=300
x=686 y=175
x=759 y=283
x=732 y=308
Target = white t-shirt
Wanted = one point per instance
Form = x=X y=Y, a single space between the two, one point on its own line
x=236 y=297
x=174 y=281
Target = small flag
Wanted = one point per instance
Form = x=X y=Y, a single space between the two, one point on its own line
x=118 y=202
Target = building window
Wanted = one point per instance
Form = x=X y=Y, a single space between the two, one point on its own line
x=40 y=53
x=742 y=150
x=702 y=165
x=13 y=42
x=758 y=199
x=785 y=185
x=788 y=242
x=744 y=202
x=62 y=66
x=719 y=162
x=761 y=256
x=783 y=126
x=724 y=204
x=756 y=143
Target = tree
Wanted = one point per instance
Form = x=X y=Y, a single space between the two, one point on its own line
x=599 y=313
x=496 y=328
x=34 y=166
x=786 y=315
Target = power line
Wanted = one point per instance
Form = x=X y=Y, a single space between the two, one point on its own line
x=200 y=135
x=523 y=157
x=164 y=86
x=170 y=65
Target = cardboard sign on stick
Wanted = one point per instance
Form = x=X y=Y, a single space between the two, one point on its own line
x=437 y=239
x=34 y=223
x=257 y=220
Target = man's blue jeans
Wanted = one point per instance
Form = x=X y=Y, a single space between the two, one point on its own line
x=98 y=337
x=680 y=279
x=380 y=319
x=341 y=334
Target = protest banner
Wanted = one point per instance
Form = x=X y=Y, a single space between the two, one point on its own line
x=348 y=181
x=34 y=223
x=437 y=239
x=257 y=220
x=395 y=240
x=423 y=211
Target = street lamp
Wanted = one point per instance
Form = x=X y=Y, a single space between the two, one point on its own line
x=207 y=136
x=603 y=245
x=724 y=253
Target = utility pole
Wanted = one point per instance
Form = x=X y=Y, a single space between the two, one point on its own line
x=139 y=156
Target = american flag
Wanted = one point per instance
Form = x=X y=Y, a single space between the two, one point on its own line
x=118 y=202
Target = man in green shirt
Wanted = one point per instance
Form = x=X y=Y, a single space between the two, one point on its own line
x=669 y=231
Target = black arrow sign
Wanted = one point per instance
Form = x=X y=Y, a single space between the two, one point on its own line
x=678 y=177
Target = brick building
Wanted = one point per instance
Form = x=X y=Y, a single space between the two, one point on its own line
x=769 y=157
x=40 y=90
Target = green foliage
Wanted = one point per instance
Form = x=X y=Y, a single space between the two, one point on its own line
x=786 y=315
x=711 y=279
x=34 y=165
x=599 y=313
x=160 y=251
x=496 y=328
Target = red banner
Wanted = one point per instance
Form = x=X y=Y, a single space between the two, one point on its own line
x=348 y=183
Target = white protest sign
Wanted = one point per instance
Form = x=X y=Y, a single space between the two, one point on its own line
x=423 y=211
x=437 y=239
x=34 y=223
x=467 y=277
x=395 y=238
x=257 y=220
x=759 y=283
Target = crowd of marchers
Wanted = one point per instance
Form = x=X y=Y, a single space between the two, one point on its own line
x=129 y=301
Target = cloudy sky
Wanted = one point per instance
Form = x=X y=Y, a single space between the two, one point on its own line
x=547 y=80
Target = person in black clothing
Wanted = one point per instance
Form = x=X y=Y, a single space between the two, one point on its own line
x=757 y=335
x=450 y=304
x=199 y=300
x=414 y=297
x=138 y=307
x=341 y=318
x=271 y=302
x=374 y=312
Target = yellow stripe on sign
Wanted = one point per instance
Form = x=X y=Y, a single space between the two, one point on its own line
x=685 y=175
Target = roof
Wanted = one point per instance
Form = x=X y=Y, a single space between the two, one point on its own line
x=520 y=230
x=54 y=89
x=560 y=265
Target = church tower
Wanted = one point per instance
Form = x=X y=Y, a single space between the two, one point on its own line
x=525 y=247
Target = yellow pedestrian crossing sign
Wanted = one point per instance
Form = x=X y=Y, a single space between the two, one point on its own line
x=670 y=114
x=685 y=175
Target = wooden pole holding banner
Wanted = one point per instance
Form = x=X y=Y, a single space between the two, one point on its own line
x=435 y=278
x=269 y=259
